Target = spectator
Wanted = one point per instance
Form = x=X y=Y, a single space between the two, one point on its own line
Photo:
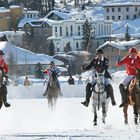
x=27 y=82
x=71 y=80
x=80 y=82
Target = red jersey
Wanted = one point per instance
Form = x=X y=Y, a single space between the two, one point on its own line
x=4 y=65
x=131 y=64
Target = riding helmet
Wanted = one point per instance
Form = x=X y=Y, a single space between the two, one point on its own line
x=1 y=52
x=52 y=62
x=132 y=50
x=99 y=51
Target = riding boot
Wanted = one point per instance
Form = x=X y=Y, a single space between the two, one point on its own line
x=123 y=95
x=110 y=94
x=88 y=94
x=45 y=93
x=5 y=96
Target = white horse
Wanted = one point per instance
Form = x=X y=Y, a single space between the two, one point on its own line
x=99 y=97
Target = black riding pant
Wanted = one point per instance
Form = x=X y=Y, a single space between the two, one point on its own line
x=4 y=92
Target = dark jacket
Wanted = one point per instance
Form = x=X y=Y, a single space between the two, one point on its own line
x=71 y=81
x=99 y=65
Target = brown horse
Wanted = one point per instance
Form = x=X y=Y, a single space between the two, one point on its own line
x=53 y=90
x=133 y=98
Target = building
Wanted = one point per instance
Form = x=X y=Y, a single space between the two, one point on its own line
x=9 y=18
x=70 y=32
x=122 y=11
x=32 y=15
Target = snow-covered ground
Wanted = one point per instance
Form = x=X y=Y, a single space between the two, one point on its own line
x=31 y=119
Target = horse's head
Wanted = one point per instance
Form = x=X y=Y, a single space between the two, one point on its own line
x=100 y=78
x=53 y=78
x=100 y=82
x=54 y=75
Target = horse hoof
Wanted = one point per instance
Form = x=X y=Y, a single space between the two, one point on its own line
x=95 y=124
x=104 y=122
x=126 y=122
x=136 y=121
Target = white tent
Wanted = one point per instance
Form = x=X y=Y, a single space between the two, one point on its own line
x=22 y=56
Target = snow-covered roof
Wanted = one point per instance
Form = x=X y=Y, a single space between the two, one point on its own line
x=34 y=22
x=122 y=45
x=20 y=54
x=79 y=53
x=66 y=56
x=60 y=14
x=3 y=10
x=15 y=6
x=121 y=4
x=31 y=12
x=50 y=58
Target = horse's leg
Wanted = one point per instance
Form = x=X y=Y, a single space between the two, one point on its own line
x=125 y=114
x=139 y=116
x=136 y=113
x=95 y=116
x=103 y=112
x=1 y=101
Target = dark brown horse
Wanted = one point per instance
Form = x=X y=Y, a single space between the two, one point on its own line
x=133 y=98
x=53 y=90
x=2 y=97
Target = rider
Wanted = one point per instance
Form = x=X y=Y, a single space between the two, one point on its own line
x=100 y=64
x=4 y=67
x=49 y=71
x=132 y=62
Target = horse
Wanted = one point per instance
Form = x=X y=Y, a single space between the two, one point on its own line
x=133 y=99
x=2 y=97
x=99 y=97
x=53 y=90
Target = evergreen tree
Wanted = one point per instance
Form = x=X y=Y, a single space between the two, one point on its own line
x=87 y=28
x=127 y=35
x=51 y=48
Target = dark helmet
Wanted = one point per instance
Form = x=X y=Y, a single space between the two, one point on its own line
x=52 y=62
x=1 y=52
x=99 y=51
x=132 y=50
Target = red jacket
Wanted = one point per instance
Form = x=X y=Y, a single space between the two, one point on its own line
x=4 y=65
x=131 y=64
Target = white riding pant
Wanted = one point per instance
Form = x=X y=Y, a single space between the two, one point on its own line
x=127 y=79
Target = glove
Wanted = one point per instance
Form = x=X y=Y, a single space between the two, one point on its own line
x=83 y=67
